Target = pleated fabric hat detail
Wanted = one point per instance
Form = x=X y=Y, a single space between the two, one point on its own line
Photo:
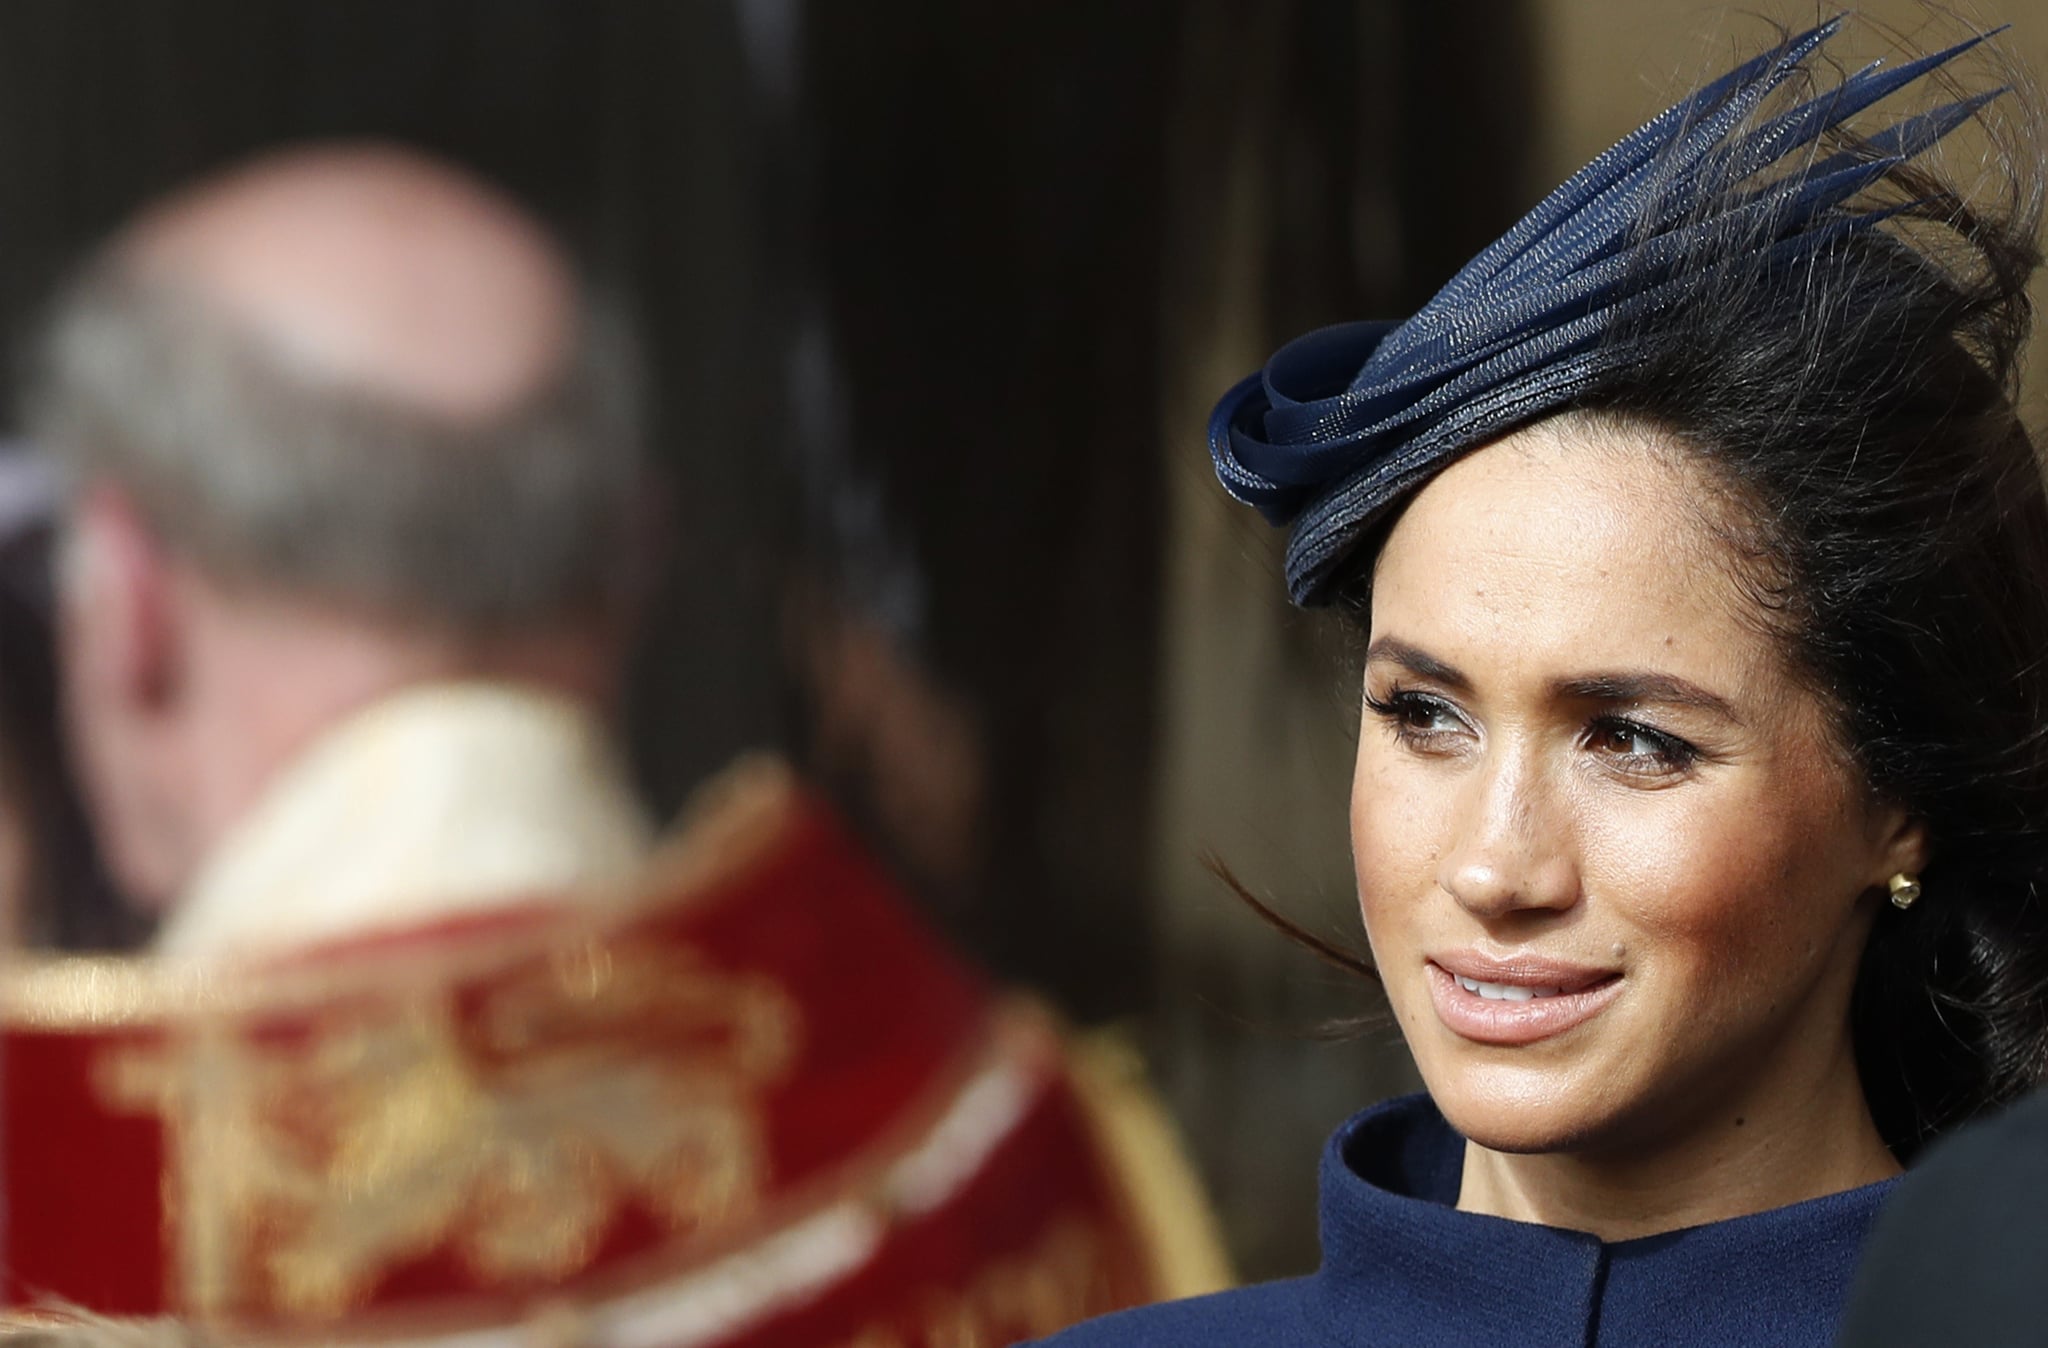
x=1343 y=423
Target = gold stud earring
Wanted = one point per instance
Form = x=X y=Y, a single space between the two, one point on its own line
x=1905 y=889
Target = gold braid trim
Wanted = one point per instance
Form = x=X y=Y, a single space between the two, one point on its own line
x=1165 y=1198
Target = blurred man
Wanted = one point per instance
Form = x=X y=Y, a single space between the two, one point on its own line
x=352 y=485
x=440 y=1039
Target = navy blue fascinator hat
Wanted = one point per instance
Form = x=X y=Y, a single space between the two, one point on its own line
x=1343 y=423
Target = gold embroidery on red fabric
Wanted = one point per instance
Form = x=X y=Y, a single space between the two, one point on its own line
x=509 y=1131
x=1057 y=1282
x=875 y=1338
x=729 y=825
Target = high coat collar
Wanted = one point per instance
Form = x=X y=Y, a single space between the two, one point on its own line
x=1392 y=1237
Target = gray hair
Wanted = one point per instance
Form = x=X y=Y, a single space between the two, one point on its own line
x=257 y=472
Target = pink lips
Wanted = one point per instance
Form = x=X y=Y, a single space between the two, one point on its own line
x=1571 y=994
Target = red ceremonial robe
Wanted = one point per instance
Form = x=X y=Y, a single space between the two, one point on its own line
x=757 y=1106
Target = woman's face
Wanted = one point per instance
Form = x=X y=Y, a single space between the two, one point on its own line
x=1615 y=871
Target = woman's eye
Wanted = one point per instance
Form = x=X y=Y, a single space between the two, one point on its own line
x=1417 y=717
x=1639 y=749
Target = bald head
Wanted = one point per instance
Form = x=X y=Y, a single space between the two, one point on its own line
x=371 y=268
x=351 y=373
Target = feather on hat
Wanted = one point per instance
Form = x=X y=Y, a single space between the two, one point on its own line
x=1342 y=423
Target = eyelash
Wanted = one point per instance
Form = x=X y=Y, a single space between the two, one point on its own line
x=1401 y=703
x=1668 y=756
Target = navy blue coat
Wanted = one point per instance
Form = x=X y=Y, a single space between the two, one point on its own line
x=1402 y=1267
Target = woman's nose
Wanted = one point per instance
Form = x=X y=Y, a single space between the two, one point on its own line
x=1510 y=845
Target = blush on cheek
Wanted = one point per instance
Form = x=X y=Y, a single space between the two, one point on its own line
x=1392 y=796
x=1722 y=896
x=1396 y=839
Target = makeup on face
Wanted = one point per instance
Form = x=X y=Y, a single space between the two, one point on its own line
x=1517 y=1000
x=1611 y=870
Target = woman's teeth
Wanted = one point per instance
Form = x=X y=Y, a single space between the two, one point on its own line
x=1504 y=992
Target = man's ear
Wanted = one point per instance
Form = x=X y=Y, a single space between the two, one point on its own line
x=117 y=599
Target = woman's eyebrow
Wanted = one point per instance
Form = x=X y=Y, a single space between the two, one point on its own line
x=1418 y=662
x=1643 y=686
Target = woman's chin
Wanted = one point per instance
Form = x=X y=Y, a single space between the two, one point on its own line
x=1527 y=1114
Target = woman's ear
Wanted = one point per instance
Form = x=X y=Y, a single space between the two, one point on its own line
x=1902 y=843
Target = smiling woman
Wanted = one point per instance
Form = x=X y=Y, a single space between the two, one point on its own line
x=1614 y=862
x=1703 y=564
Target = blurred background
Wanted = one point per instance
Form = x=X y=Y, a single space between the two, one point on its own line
x=935 y=298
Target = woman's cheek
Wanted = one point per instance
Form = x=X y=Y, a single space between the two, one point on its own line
x=1395 y=841
x=1396 y=826
x=1699 y=884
